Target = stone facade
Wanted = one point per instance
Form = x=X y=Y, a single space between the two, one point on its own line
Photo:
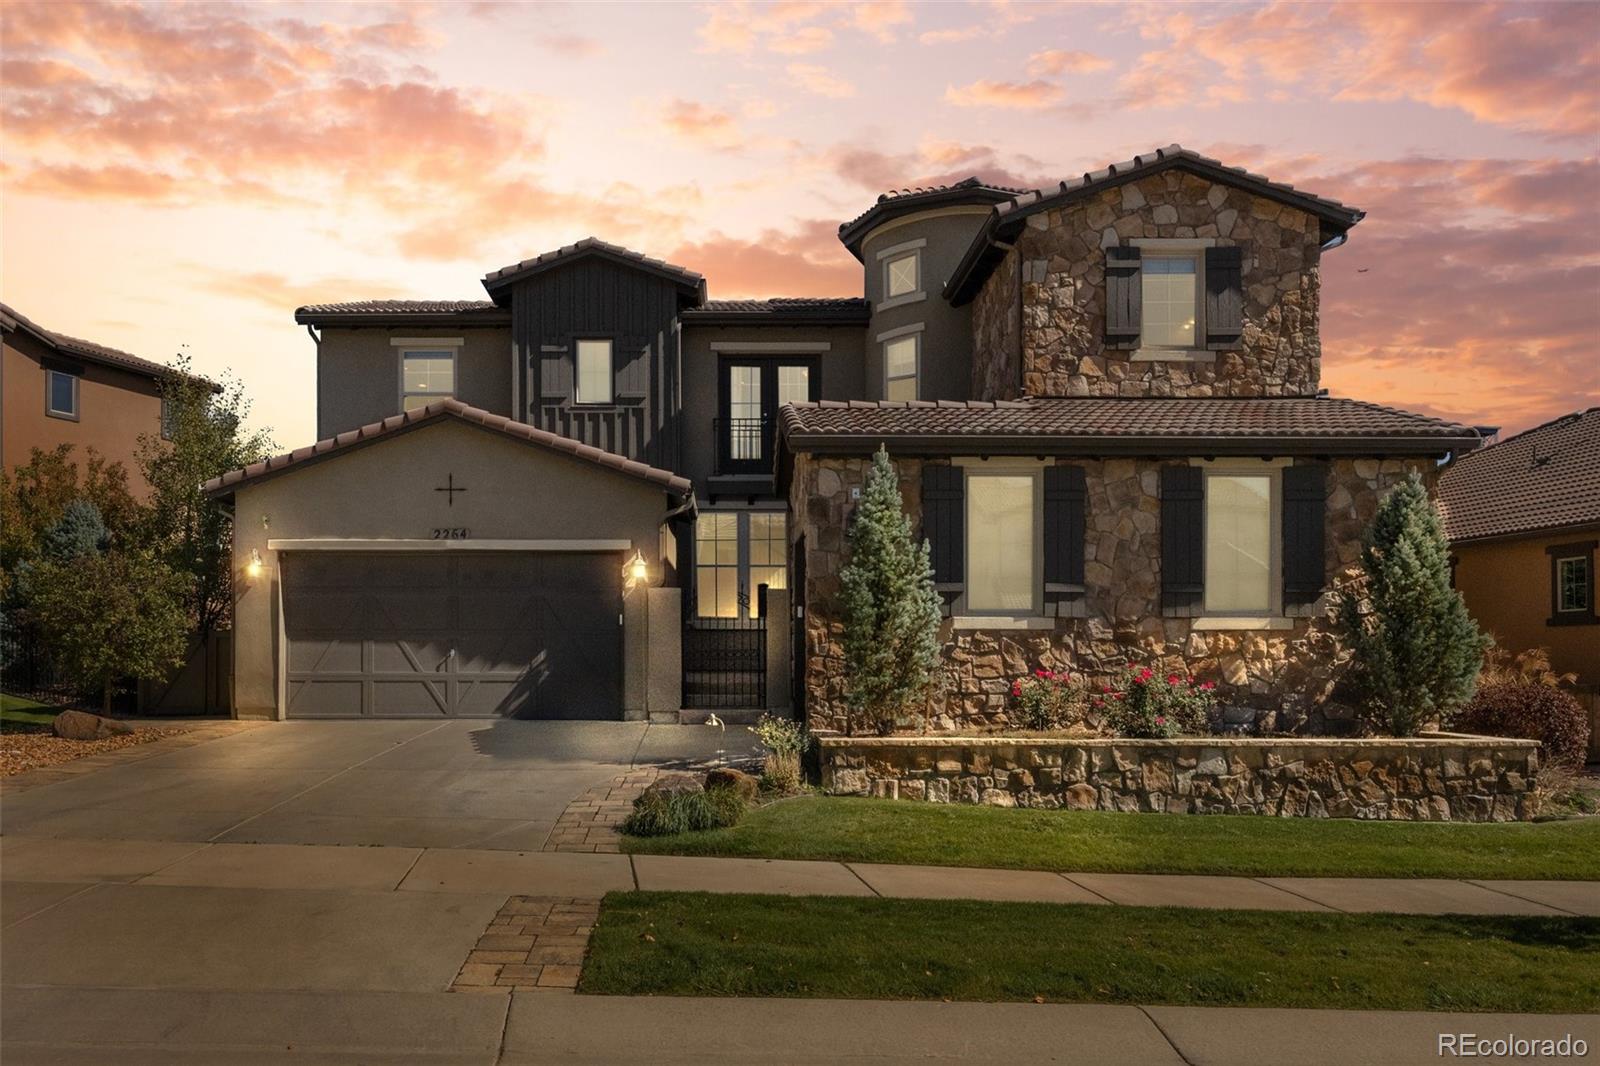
x=1057 y=348
x=1280 y=680
x=1439 y=778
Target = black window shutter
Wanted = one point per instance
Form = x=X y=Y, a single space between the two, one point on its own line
x=1305 y=519
x=1224 y=297
x=1124 y=297
x=1064 y=494
x=1182 y=540
x=944 y=521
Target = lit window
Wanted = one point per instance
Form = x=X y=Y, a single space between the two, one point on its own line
x=1000 y=560
x=61 y=394
x=900 y=368
x=594 y=371
x=1170 y=291
x=427 y=375
x=794 y=384
x=716 y=564
x=745 y=436
x=1572 y=584
x=900 y=275
x=769 y=555
x=1238 y=543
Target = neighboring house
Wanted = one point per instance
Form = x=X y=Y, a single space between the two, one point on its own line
x=1523 y=516
x=1103 y=399
x=62 y=390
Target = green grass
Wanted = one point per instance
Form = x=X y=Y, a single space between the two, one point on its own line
x=697 y=944
x=862 y=830
x=22 y=712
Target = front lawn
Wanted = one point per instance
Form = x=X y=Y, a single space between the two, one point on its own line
x=23 y=713
x=862 y=830
x=697 y=944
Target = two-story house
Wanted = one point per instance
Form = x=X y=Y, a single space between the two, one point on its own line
x=566 y=499
x=62 y=390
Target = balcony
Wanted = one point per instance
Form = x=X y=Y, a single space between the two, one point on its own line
x=745 y=451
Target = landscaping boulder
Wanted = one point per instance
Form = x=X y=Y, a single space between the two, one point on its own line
x=81 y=725
x=727 y=777
x=672 y=784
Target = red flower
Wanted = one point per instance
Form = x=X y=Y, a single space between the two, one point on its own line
x=1116 y=695
x=1208 y=686
x=1042 y=673
x=1161 y=720
x=1016 y=688
x=1105 y=688
x=1172 y=679
x=1191 y=682
x=1099 y=701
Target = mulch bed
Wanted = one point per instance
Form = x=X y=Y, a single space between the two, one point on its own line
x=23 y=748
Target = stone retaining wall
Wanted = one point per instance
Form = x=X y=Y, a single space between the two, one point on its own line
x=1433 y=778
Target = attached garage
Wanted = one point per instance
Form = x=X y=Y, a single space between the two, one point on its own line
x=467 y=634
x=451 y=563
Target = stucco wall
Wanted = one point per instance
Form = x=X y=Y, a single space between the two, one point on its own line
x=386 y=490
x=114 y=409
x=358 y=373
x=945 y=371
x=1060 y=258
x=1273 y=680
x=1506 y=584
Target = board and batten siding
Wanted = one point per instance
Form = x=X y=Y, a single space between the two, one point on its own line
x=638 y=313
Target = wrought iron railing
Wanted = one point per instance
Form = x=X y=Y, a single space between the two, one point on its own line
x=744 y=445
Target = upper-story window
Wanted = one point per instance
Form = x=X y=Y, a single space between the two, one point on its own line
x=1572 y=584
x=426 y=375
x=61 y=394
x=595 y=375
x=900 y=358
x=902 y=274
x=1171 y=291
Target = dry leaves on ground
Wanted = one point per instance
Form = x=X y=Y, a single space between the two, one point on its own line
x=21 y=751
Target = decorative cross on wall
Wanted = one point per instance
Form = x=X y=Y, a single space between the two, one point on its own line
x=450 y=488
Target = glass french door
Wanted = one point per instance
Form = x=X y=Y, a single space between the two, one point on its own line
x=752 y=392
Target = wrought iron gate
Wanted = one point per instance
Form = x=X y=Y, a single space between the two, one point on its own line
x=725 y=663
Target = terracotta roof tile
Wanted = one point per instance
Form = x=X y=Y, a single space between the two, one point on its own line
x=1117 y=423
x=898 y=202
x=11 y=319
x=400 y=307
x=278 y=464
x=1545 y=478
x=590 y=245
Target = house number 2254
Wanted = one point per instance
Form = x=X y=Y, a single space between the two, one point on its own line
x=450 y=533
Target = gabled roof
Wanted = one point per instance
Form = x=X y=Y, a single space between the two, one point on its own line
x=693 y=285
x=225 y=485
x=13 y=321
x=1008 y=218
x=404 y=313
x=782 y=310
x=899 y=202
x=1135 y=425
x=1547 y=477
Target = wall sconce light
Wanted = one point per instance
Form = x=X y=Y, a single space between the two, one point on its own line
x=637 y=570
x=253 y=568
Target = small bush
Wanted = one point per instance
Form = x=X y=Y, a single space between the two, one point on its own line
x=1152 y=707
x=657 y=814
x=1533 y=711
x=1050 y=700
x=785 y=740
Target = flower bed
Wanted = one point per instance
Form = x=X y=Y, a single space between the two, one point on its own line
x=1437 y=777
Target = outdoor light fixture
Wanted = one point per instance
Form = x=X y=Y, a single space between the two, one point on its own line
x=638 y=570
x=252 y=569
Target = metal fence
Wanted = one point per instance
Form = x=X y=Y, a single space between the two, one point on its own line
x=28 y=670
x=725 y=664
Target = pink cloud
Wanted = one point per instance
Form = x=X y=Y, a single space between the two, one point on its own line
x=1025 y=96
x=1054 y=61
x=699 y=124
x=819 y=81
x=807 y=261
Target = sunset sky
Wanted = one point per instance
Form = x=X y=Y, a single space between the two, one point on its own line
x=184 y=176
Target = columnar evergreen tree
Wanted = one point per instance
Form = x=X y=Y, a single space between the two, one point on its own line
x=1416 y=649
x=891 y=611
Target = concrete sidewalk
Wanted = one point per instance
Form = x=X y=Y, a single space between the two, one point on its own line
x=62 y=862
x=137 y=1026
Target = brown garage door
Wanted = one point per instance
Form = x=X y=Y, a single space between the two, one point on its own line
x=459 y=634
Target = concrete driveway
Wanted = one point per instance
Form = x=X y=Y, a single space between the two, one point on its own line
x=458 y=784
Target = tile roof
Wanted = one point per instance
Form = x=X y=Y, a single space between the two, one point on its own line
x=398 y=307
x=1317 y=424
x=898 y=202
x=434 y=412
x=1009 y=216
x=595 y=246
x=12 y=319
x=1545 y=478
x=850 y=309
